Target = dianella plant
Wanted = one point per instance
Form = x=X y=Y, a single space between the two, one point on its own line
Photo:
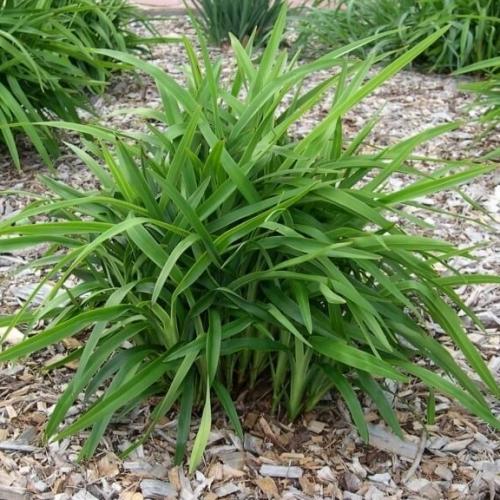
x=241 y=18
x=486 y=89
x=48 y=67
x=221 y=252
x=473 y=34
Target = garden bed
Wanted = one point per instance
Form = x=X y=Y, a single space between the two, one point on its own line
x=320 y=455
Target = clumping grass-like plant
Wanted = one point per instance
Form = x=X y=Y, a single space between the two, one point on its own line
x=473 y=35
x=241 y=18
x=221 y=253
x=486 y=89
x=47 y=65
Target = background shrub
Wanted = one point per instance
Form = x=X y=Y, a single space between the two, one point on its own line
x=228 y=253
x=47 y=66
x=241 y=18
x=474 y=33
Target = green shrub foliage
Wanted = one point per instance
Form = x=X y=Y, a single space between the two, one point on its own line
x=486 y=89
x=222 y=252
x=241 y=18
x=474 y=33
x=47 y=66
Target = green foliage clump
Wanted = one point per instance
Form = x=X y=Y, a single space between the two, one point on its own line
x=47 y=64
x=241 y=18
x=474 y=33
x=486 y=89
x=222 y=252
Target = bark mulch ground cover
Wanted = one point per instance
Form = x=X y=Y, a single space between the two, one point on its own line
x=320 y=455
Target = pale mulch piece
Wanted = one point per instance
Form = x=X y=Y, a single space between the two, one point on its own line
x=319 y=456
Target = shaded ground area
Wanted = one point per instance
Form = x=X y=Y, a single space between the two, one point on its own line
x=319 y=456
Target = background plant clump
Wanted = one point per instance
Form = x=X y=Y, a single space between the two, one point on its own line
x=486 y=88
x=474 y=33
x=48 y=68
x=242 y=18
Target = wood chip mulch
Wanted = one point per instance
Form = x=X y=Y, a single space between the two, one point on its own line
x=319 y=456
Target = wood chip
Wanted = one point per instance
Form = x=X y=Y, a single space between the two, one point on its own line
x=417 y=485
x=235 y=459
x=306 y=485
x=316 y=426
x=443 y=472
x=11 y=493
x=108 y=466
x=229 y=472
x=153 y=488
x=18 y=446
x=291 y=472
x=326 y=475
x=129 y=495
x=13 y=337
x=387 y=441
x=457 y=445
x=226 y=490
x=84 y=495
x=269 y=433
x=268 y=486
x=384 y=478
